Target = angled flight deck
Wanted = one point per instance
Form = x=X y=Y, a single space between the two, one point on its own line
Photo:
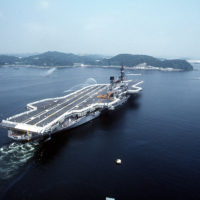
x=48 y=110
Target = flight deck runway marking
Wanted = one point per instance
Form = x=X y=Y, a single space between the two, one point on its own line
x=104 y=87
x=67 y=106
x=87 y=98
x=45 y=111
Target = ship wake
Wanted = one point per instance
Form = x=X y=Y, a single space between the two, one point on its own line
x=89 y=81
x=13 y=157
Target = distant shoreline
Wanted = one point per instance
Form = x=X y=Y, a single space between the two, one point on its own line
x=63 y=60
x=142 y=66
x=194 y=61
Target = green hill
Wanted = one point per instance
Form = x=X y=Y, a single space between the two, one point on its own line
x=133 y=60
x=8 y=60
x=54 y=58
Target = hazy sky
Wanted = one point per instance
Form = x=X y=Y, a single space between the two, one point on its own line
x=168 y=28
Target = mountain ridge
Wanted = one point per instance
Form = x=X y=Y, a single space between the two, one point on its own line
x=55 y=58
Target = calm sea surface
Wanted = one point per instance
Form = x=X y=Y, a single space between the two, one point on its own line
x=157 y=136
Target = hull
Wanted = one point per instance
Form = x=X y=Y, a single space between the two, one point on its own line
x=85 y=120
x=75 y=124
x=67 y=126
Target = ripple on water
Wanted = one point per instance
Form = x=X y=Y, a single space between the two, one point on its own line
x=14 y=156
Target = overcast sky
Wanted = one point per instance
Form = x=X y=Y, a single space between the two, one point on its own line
x=160 y=28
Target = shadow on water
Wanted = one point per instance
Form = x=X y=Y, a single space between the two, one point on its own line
x=48 y=149
x=110 y=119
x=16 y=154
x=15 y=157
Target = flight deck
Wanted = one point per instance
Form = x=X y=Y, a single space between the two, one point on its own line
x=50 y=109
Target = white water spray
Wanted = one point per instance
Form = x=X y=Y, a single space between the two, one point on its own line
x=14 y=156
x=133 y=74
x=89 y=81
x=49 y=72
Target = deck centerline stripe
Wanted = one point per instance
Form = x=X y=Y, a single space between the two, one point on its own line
x=46 y=111
x=66 y=106
x=86 y=99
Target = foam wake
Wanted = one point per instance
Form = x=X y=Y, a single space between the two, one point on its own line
x=49 y=72
x=89 y=81
x=14 y=156
x=133 y=74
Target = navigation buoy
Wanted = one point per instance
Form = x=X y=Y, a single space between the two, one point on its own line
x=118 y=161
x=109 y=198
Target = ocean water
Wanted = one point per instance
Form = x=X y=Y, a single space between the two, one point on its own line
x=157 y=136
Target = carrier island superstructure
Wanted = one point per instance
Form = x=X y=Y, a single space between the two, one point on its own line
x=48 y=116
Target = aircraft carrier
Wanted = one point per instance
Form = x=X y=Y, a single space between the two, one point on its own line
x=48 y=116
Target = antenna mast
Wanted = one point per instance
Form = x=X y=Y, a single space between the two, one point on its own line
x=122 y=76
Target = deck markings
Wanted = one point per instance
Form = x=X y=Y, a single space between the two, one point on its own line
x=65 y=106
x=86 y=99
x=44 y=111
x=70 y=104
